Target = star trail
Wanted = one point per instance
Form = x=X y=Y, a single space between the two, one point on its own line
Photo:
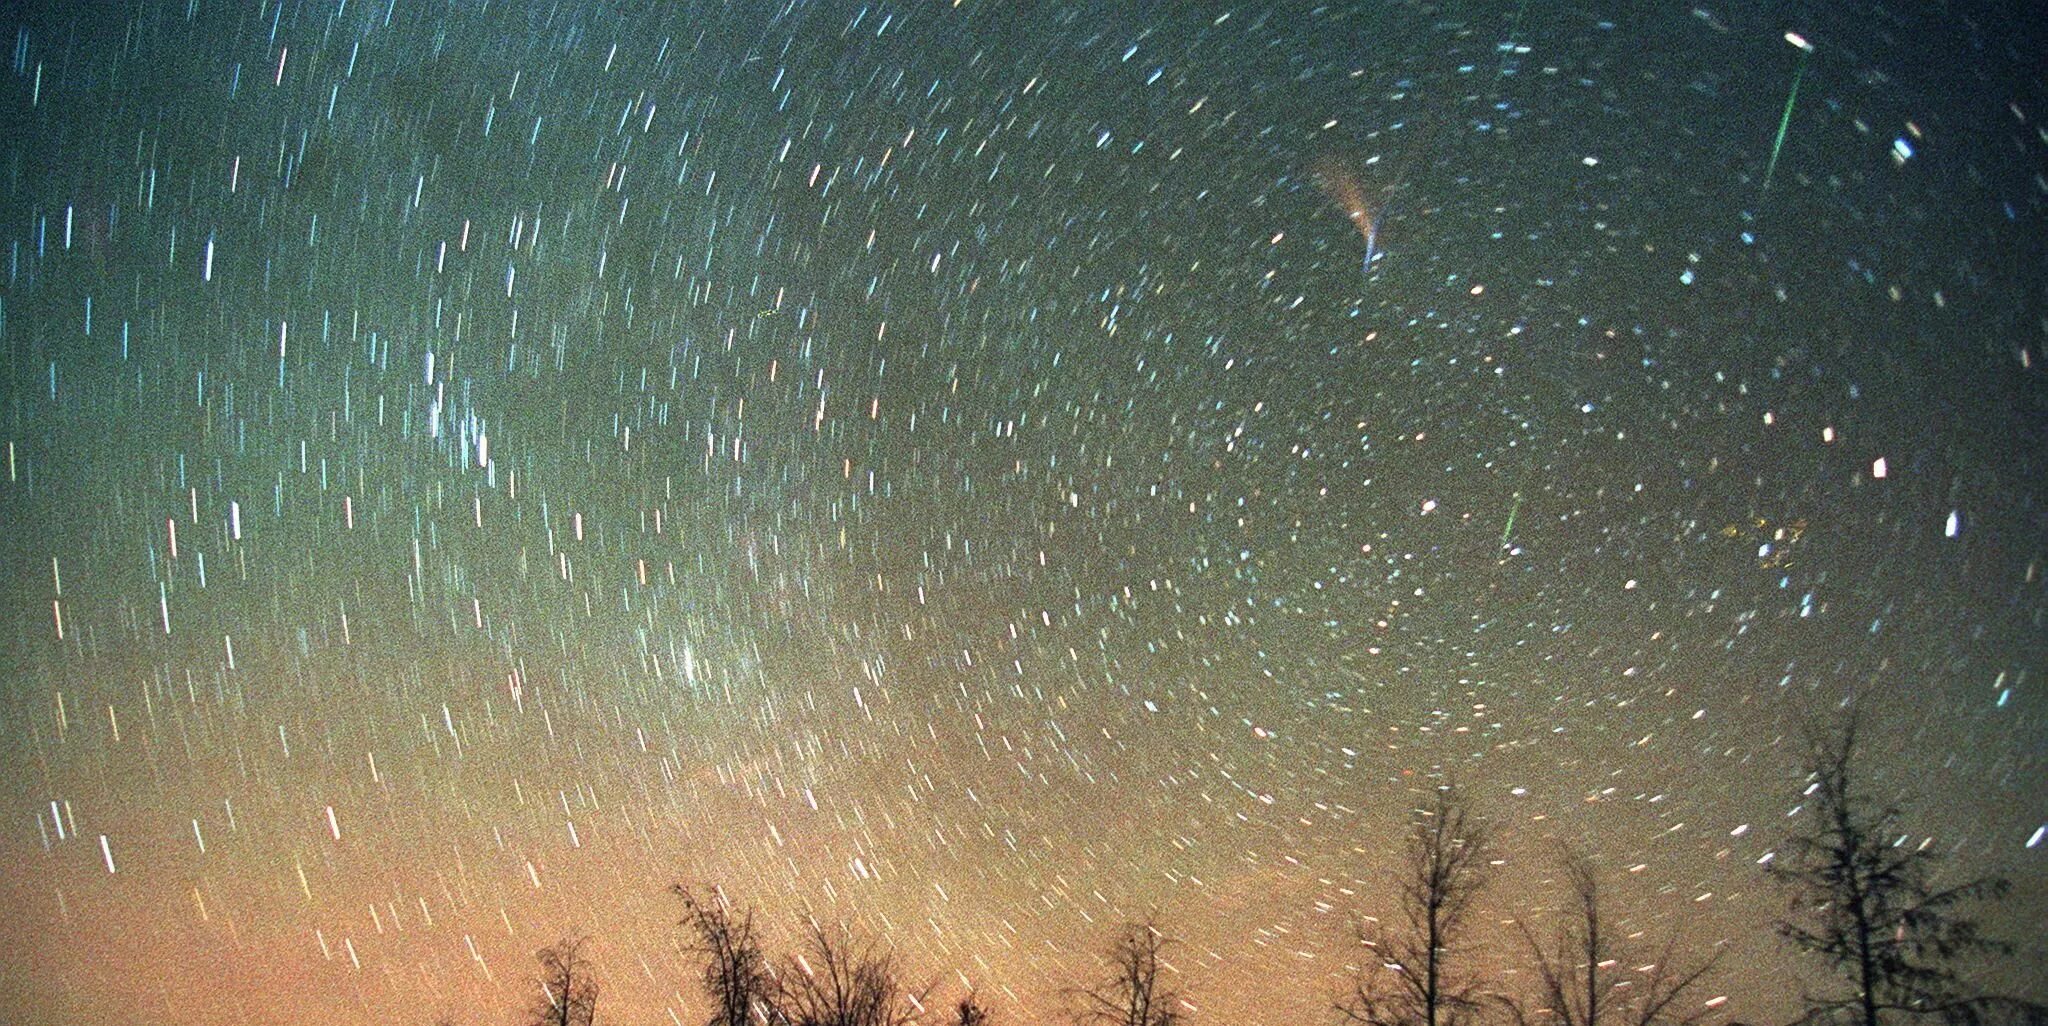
x=984 y=473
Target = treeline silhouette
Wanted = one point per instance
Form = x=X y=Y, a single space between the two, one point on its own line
x=1873 y=910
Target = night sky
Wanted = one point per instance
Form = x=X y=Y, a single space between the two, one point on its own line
x=983 y=472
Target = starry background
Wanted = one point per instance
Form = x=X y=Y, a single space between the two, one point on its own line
x=949 y=469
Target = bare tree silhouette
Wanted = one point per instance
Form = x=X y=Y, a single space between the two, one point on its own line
x=568 y=988
x=838 y=982
x=1410 y=982
x=1867 y=902
x=1131 y=992
x=970 y=1012
x=1591 y=977
x=737 y=977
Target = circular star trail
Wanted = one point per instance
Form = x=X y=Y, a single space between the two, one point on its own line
x=983 y=475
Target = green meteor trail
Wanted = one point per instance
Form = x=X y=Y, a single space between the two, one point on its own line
x=1785 y=119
